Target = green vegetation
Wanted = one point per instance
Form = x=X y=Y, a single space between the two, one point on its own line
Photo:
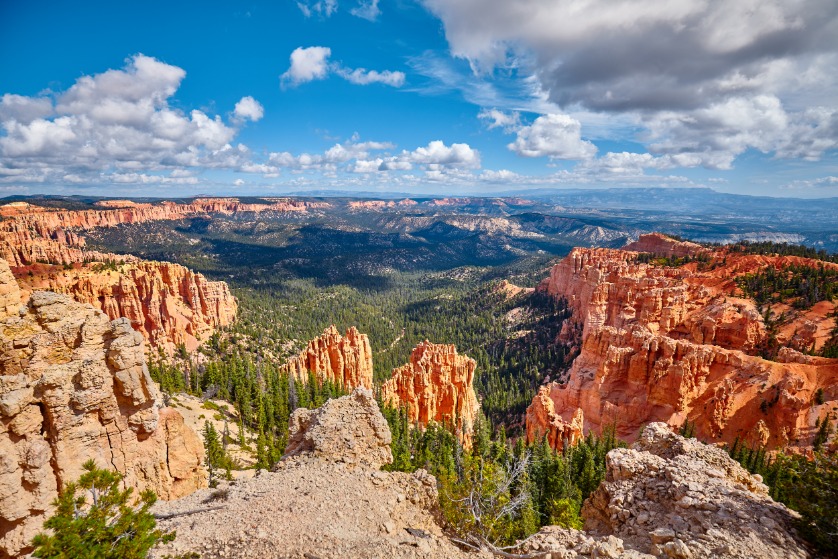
x=808 y=486
x=783 y=249
x=517 y=488
x=803 y=286
x=109 y=527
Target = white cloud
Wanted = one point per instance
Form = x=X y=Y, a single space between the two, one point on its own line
x=312 y=63
x=249 y=108
x=436 y=155
x=307 y=64
x=510 y=122
x=362 y=76
x=557 y=136
x=368 y=10
x=119 y=120
x=238 y=182
x=823 y=182
x=679 y=69
x=323 y=8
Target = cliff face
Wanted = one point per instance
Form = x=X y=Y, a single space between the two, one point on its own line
x=167 y=303
x=436 y=385
x=74 y=386
x=671 y=344
x=345 y=361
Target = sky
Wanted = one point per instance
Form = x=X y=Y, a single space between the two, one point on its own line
x=465 y=97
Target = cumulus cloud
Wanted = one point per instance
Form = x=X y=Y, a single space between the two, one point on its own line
x=249 y=108
x=679 y=68
x=119 y=119
x=312 y=63
x=556 y=136
x=823 y=182
x=307 y=64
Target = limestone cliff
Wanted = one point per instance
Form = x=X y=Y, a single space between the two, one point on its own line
x=436 y=385
x=343 y=360
x=672 y=344
x=167 y=303
x=74 y=386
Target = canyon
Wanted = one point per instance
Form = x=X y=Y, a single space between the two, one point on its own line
x=74 y=386
x=436 y=385
x=677 y=344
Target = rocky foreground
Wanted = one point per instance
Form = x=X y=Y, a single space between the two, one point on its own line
x=666 y=497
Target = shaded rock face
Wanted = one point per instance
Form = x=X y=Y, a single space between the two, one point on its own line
x=437 y=385
x=349 y=429
x=673 y=497
x=670 y=344
x=661 y=245
x=167 y=303
x=73 y=387
x=543 y=421
x=343 y=360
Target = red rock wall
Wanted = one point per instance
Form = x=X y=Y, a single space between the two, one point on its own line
x=436 y=385
x=670 y=344
x=343 y=360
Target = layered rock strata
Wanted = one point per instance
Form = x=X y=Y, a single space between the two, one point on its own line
x=343 y=360
x=436 y=385
x=73 y=387
x=167 y=303
x=670 y=497
x=672 y=344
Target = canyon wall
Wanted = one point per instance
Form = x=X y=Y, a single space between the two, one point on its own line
x=169 y=304
x=674 y=345
x=436 y=385
x=343 y=360
x=73 y=387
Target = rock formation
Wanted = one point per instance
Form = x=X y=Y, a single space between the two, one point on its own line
x=74 y=386
x=672 y=344
x=327 y=498
x=343 y=360
x=167 y=303
x=661 y=245
x=365 y=436
x=436 y=385
x=673 y=497
x=542 y=420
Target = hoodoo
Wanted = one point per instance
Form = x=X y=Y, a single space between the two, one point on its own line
x=343 y=360
x=74 y=386
x=436 y=385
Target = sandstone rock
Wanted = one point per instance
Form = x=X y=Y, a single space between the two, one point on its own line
x=73 y=387
x=670 y=344
x=437 y=385
x=343 y=360
x=661 y=245
x=349 y=429
x=9 y=291
x=675 y=497
x=542 y=420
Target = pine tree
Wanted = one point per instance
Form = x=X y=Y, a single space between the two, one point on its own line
x=106 y=528
x=214 y=452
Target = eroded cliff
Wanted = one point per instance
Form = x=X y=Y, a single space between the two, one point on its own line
x=675 y=344
x=436 y=385
x=73 y=387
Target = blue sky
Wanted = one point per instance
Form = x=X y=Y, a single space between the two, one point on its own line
x=426 y=96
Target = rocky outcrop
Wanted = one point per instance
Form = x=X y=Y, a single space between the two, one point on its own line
x=74 y=386
x=326 y=498
x=673 y=497
x=10 y=296
x=343 y=360
x=661 y=245
x=364 y=434
x=672 y=344
x=167 y=303
x=436 y=385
